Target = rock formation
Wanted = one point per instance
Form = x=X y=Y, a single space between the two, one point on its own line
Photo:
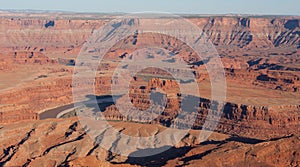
x=260 y=56
x=65 y=143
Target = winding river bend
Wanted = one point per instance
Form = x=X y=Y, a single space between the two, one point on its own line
x=59 y=111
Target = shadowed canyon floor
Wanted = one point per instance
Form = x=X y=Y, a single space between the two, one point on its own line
x=258 y=127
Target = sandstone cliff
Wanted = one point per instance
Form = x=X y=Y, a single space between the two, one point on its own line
x=258 y=52
x=65 y=143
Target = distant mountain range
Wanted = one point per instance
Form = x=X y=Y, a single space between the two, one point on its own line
x=32 y=11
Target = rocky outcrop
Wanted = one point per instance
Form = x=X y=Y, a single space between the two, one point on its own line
x=243 y=120
x=275 y=152
x=256 y=52
x=251 y=32
x=63 y=142
x=36 y=98
x=31 y=58
x=67 y=35
x=272 y=79
x=8 y=117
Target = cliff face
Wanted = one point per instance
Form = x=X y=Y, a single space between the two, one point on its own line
x=256 y=52
x=260 y=56
x=8 y=117
x=36 y=34
x=239 y=119
x=64 y=142
x=37 y=98
x=44 y=33
x=251 y=32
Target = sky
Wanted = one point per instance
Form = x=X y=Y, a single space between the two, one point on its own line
x=267 y=7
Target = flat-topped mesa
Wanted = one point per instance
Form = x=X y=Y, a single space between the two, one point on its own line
x=260 y=55
x=279 y=80
x=222 y=31
x=240 y=41
x=251 y=31
x=244 y=120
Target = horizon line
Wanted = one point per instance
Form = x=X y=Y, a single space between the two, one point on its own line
x=37 y=11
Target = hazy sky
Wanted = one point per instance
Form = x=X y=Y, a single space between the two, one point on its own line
x=286 y=7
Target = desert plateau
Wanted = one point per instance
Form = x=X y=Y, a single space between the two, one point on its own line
x=40 y=121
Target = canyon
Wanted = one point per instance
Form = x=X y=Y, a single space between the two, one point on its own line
x=261 y=60
x=65 y=143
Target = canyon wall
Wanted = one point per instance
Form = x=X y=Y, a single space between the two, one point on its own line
x=245 y=120
x=257 y=51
